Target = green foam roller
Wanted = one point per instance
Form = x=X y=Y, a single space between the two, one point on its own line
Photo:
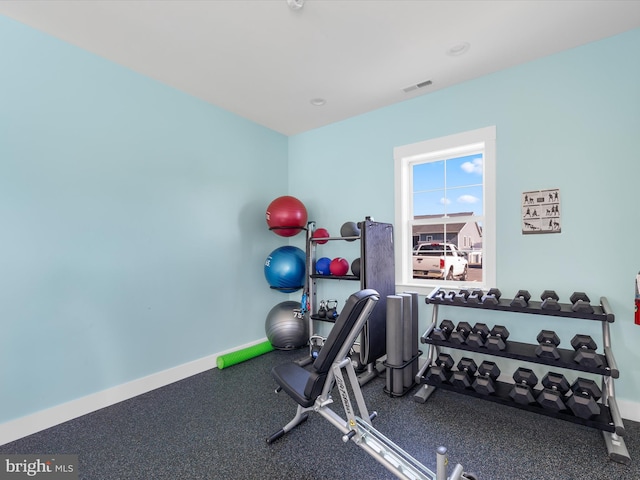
x=239 y=356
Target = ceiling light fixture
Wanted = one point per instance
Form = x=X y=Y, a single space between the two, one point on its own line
x=318 y=102
x=458 y=49
x=295 y=4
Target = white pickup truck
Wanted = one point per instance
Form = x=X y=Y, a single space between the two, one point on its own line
x=439 y=260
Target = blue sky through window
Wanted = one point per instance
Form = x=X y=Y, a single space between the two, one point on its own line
x=448 y=186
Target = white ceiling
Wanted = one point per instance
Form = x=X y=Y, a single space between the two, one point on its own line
x=265 y=61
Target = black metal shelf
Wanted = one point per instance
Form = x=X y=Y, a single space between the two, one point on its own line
x=334 y=277
x=377 y=271
x=602 y=421
x=329 y=239
x=323 y=319
x=600 y=313
x=526 y=352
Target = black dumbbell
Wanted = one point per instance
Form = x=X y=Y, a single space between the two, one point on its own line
x=462 y=332
x=584 y=401
x=478 y=335
x=497 y=339
x=475 y=297
x=439 y=295
x=552 y=395
x=463 y=377
x=485 y=382
x=522 y=391
x=581 y=303
x=585 y=349
x=442 y=333
x=550 y=300
x=521 y=300
x=440 y=371
x=548 y=345
x=449 y=296
x=460 y=298
x=492 y=298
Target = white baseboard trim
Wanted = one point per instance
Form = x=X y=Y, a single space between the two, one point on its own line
x=36 y=422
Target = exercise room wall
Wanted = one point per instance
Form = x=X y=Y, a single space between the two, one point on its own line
x=133 y=233
x=567 y=121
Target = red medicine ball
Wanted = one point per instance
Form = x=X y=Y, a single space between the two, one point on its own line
x=286 y=216
x=339 y=266
x=321 y=233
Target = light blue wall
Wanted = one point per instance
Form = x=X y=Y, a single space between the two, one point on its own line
x=569 y=121
x=132 y=224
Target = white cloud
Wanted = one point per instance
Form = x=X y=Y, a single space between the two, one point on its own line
x=473 y=167
x=445 y=201
x=467 y=199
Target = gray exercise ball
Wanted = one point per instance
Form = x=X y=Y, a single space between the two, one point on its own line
x=285 y=331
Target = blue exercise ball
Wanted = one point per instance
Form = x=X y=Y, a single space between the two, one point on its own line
x=284 y=269
x=322 y=266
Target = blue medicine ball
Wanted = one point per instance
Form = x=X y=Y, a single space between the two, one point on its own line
x=284 y=269
x=322 y=266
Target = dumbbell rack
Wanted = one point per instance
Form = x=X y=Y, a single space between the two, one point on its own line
x=608 y=421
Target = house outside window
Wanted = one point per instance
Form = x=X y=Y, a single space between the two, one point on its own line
x=445 y=211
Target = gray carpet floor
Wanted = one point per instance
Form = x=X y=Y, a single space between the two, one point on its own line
x=214 y=425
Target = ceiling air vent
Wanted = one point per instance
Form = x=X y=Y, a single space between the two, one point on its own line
x=411 y=88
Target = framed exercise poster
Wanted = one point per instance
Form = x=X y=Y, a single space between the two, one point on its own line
x=541 y=211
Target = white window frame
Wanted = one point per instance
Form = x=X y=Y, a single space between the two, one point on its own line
x=451 y=146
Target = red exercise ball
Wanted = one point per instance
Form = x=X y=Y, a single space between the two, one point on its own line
x=339 y=266
x=286 y=216
x=321 y=233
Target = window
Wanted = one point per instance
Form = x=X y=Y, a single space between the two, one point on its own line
x=445 y=200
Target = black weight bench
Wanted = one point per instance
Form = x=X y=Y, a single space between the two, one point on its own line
x=308 y=387
x=311 y=389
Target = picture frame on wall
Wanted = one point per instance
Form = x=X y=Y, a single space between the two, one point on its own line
x=541 y=211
